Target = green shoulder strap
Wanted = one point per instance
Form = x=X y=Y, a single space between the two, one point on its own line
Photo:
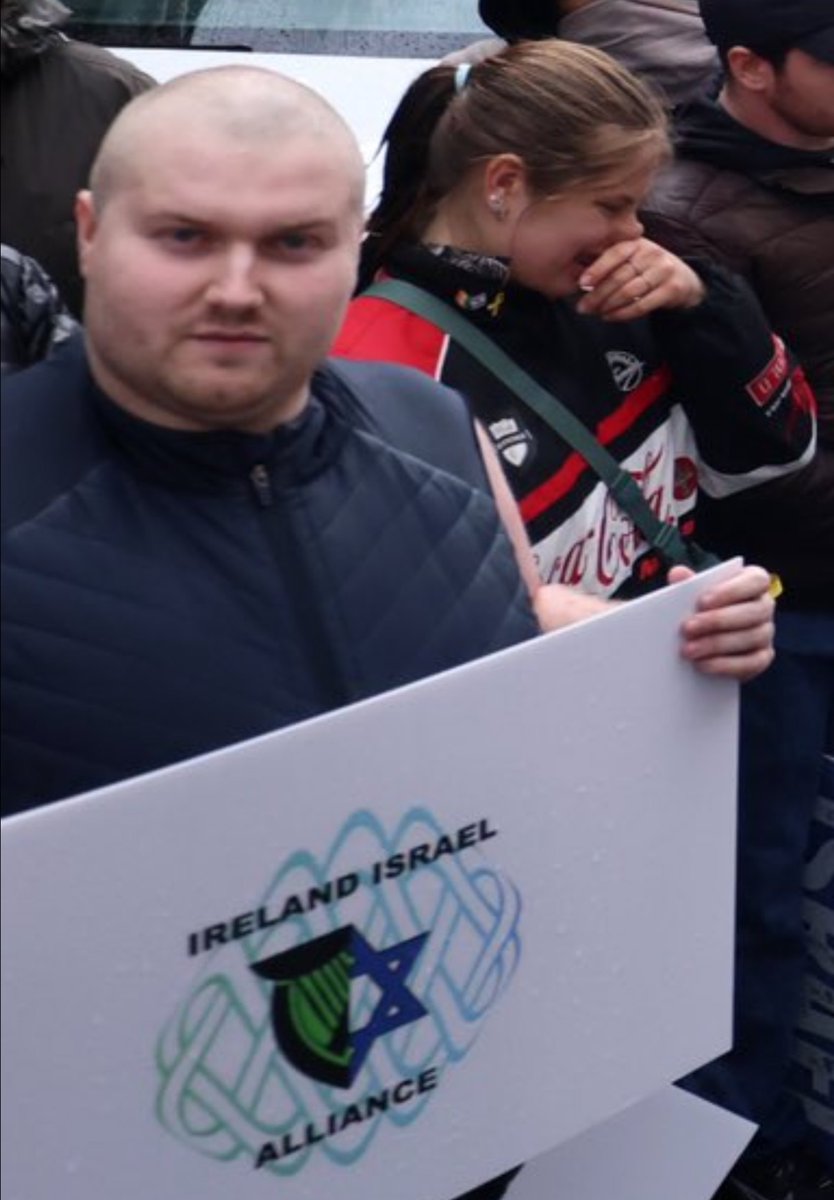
x=664 y=537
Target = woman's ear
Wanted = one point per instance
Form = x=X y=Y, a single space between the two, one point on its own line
x=505 y=184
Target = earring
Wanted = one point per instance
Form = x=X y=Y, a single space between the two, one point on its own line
x=496 y=205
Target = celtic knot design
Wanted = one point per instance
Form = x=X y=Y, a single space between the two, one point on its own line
x=224 y=1089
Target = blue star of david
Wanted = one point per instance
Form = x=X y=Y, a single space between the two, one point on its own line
x=389 y=969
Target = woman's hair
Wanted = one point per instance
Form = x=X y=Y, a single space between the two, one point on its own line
x=570 y=113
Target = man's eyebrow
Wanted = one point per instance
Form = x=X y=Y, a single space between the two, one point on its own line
x=173 y=217
x=302 y=225
x=273 y=228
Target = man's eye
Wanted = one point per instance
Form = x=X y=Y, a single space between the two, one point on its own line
x=294 y=243
x=183 y=235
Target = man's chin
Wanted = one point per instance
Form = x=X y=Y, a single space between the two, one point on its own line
x=223 y=403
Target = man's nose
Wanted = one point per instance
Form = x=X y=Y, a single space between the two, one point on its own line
x=235 y=282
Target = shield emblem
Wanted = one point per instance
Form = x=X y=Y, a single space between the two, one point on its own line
x=516 y=453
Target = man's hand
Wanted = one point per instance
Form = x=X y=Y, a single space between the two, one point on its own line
x=634 y=278
x=557 y=606
x=731 y=631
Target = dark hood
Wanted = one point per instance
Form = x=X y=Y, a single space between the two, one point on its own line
x=706 y=132
x=514 y=20
x=27 y=28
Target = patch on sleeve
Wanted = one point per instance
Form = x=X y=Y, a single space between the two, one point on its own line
x=767 y=383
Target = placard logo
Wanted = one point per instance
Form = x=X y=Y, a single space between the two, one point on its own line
x=331 y=1006
x=311 y=1000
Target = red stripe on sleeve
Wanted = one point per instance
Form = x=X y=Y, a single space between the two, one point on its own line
x=610 y=428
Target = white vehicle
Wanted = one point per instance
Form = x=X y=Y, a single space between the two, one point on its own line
x=360 y=54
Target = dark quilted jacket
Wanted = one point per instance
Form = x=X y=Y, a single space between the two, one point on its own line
x=766 y=212
x=169 y=593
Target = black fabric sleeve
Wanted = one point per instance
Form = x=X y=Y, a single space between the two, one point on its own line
x=749 y=404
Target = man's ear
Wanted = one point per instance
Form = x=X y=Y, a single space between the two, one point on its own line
x=748 y=70
x=86 y=222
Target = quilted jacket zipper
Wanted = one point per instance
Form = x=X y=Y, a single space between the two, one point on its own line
x=325 y=662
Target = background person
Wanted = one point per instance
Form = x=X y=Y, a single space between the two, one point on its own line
x=34 y=320
x=752 y=186
x=506 y=196
x=506 y=193
x=58 y=99
x=662 y=41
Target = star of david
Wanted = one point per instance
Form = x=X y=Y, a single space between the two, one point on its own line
x=389 y=969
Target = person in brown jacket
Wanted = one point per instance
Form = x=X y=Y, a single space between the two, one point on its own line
x=752 y=186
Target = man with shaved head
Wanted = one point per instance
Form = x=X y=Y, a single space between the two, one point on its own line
x=210 y=531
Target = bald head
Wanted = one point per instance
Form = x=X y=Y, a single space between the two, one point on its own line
x=249 y=106
x=219 y=248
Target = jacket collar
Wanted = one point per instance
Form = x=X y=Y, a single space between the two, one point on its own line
x=476 y=283
x=222 y=460
x=705 y=131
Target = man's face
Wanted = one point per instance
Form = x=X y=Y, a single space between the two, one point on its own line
x=218 y=275
x=802 y=94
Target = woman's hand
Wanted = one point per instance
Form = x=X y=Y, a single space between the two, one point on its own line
x=634 y=278
x=731 y=631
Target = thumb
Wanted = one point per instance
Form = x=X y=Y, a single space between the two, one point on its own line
x=679 y=574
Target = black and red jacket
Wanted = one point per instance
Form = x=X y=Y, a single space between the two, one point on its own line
x=704 y=398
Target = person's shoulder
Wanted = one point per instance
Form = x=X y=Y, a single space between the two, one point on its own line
x=109 y=69
x=48 y=428
x=45 y=382
x=372 y=378
x=410 y=412
x=684 y=183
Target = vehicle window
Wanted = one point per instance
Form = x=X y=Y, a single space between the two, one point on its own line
x=381 y=28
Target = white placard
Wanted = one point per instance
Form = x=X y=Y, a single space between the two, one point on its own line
x=524 y=867
x=670 y=1146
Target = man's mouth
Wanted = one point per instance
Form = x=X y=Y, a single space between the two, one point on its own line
x=232 y=336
